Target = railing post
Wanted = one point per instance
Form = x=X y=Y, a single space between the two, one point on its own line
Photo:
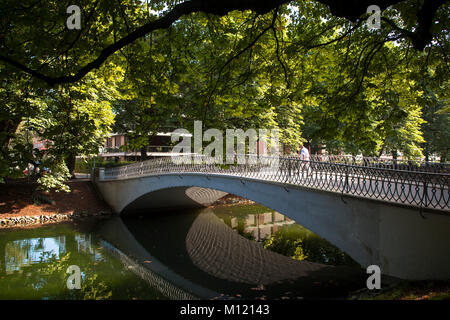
x=289 y=169
x=346 y=179
x=101 y=174
x=425 y=190
x=92 y=174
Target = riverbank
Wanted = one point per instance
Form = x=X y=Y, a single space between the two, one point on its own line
x=407 y=290
x=231 y=200
x=20 y=206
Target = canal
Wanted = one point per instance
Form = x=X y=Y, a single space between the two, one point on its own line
x=226 y=252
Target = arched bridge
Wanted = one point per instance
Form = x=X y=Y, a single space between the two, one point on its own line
x=392 y=215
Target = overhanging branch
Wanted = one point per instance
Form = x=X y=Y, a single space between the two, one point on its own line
x=350 y=9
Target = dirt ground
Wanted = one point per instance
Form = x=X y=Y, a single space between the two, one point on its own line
x=16 y=200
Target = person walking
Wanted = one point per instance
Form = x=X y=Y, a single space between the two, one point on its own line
x=304 y=156
x=304 y=153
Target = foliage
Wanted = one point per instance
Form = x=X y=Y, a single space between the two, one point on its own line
x=286 y=247
x=301 y=244
x=85 y=165
x=412 y=290
x=436 y=113
x=55 y=178
x=305 y=67
x=71 y=120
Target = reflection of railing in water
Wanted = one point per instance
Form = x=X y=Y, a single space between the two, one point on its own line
x=166 y=288
x=366 y=179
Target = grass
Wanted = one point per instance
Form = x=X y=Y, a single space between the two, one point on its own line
x=411 y=290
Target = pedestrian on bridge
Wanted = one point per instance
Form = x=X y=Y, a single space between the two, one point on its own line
x=304 y=156
x=304 y=153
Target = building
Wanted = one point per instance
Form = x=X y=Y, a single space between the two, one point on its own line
x=116 y=147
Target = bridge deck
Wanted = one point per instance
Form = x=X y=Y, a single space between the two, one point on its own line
x=422 y=189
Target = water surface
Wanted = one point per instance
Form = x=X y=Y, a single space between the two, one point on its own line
x=228 y=252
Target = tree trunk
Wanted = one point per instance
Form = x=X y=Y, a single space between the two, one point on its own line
x=394 y=154
x=9 y=127
x=70 y=162
x=443 y=157
x=143 y=153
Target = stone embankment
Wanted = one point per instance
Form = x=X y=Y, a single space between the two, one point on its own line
x=22 y=221
x=22 y=206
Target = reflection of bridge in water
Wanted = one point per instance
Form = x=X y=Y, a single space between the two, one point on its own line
x=396 y=219
x=196 y=255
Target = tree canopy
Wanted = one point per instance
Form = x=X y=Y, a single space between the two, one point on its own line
x=311 y=68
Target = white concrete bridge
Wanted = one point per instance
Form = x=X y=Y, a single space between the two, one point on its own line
x=396 y=219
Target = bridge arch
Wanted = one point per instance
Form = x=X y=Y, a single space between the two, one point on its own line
x=395 y=237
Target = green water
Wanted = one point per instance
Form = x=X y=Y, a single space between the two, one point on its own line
x=34 y=265
x=166 y=256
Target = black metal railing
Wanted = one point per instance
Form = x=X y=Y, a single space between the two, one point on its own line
x=386 y=163
x=424 y=185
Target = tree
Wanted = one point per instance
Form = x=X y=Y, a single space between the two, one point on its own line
x=418 y=31
x=436 y=116
x=73 y=120
x=310 y=68
x=16 y=105
x=76 y=118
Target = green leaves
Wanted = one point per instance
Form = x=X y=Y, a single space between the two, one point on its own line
x=54 y=180
x=72 y=119
x=299 y=68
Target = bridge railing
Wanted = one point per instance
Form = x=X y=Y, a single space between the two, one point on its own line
x=425 y=189
x=386 y=163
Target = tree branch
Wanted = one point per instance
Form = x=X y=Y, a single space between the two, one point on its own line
x=350 y=9
x=211 y=6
